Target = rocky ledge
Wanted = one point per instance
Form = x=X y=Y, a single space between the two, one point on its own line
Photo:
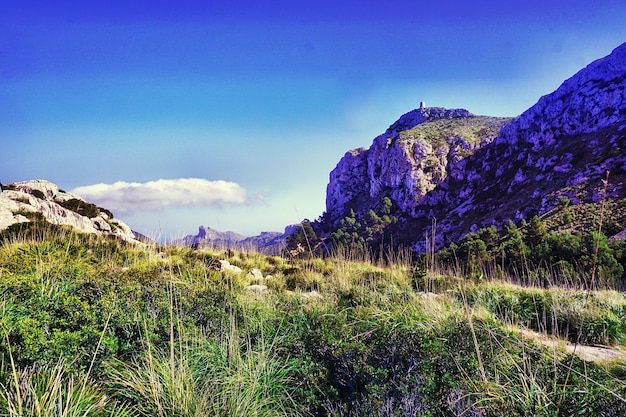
x=22 y=201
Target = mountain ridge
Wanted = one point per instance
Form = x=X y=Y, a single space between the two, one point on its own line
x=560 y=148
x=270 y=243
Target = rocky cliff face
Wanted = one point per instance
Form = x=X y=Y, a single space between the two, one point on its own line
x=563 y=146
x=409 y=161
x=21 y=200
x=469 y=171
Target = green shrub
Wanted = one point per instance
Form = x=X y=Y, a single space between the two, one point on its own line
x=81 y=207
x=207 y=378
x=576 y=316
x=304 y=281
x=38 y=194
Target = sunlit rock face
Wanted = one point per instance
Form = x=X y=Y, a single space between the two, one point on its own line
x=19 y=199
x=407 y=162
x=563 y=146
x=349 y=182
x=471 y=171
x=591 y=100
x=407 y=165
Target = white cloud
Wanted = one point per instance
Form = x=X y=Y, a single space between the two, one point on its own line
x=155 y=195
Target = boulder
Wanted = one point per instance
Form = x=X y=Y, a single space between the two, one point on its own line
x=256 y=273
x=225 y=266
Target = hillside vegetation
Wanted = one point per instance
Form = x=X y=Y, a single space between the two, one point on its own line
x=472 y=129
x=97 y=327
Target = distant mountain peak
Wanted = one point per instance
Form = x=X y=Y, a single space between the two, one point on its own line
x=271 y=243
x=424 y=114
x=207 y=233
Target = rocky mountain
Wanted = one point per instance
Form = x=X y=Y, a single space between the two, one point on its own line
x=27 y=201
x=464 y=171
x=409 y=161
x=270 y=243
x=209 y=236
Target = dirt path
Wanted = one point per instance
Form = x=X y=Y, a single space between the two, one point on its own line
x=587 y=353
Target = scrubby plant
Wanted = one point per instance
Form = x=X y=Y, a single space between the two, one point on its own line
x=52 y=392
x=24 y=200
x=162 y=330
x=38 y=194
x=532 y=255
x=598 y=318
x=81 y=207
x=207 y=377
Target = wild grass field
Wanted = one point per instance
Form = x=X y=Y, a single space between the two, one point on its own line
x=96 y=327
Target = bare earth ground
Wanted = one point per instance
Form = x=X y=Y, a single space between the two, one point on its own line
x=587 y=353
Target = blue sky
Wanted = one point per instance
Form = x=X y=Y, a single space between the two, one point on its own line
x=232 y=115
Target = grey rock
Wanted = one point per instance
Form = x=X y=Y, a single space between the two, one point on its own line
x=256 y=273
x=408 y=165
x=41 y=196
x=225 y=266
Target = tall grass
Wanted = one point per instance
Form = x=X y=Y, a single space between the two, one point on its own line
x=51 y=392
x=198 y=375
x=354 y=335
x=207 y=378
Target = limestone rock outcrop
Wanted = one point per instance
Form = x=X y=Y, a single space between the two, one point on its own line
x=20 y=200
x=407 y=162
